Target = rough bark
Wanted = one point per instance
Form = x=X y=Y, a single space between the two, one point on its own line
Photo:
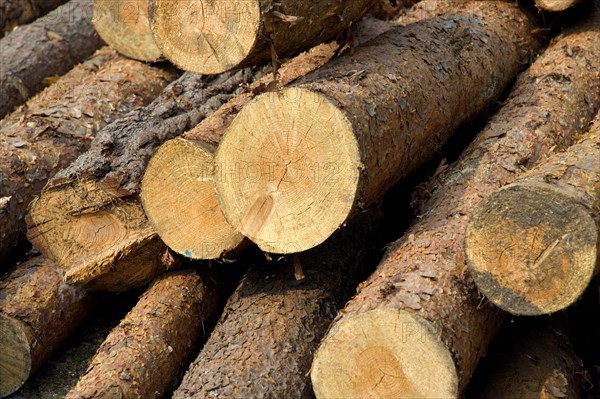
x=532 y=246
x=340 y=138
x=263 y=344
x=48 y=47
x=37 y=313
x=555 y=5
x=124 y=25
x=19 y=12
x=89 y=219
x=423 y=278
x=224 y=35
x=142 y=356
x=55 y=126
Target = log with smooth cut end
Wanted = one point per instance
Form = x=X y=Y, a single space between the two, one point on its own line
x=19 y=12
x=214 y=36
x=37 y=313
x=124 y=25
x=555 y=5
x=336 y=141
x=532 y=246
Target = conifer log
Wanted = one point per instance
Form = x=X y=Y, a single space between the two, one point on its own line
x=37 y=313
x=89 y=219
x=19 y=12
x=48 y=47
x=422 y=287
x=55 y=126
x=555 y=5
x=337 y=140
x=124 y=25
x=263 y=344
x=143 y=355
x=532 y=247
x=219 y=36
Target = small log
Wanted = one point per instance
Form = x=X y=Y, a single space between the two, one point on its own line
x=48 y=47
x=19 y=12
x=340 y=138
x=55 y=126
x=532 y=247
x=124 y=25
x=262 y=346
x=37 y=313
x=142 y=356
x=555 y=5
x=418 y=325
x=220 y=36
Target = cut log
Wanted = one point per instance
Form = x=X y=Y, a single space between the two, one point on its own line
x=263 y=344
x=37 y=313
x=341 y=137
x=555 y=5
x=48 y=47
x=422 y=288
x=142 y=356
x=89 y=219
x=19 y=12
x=124 y=25
x=219 y=36
x=55 y=126
x=532 y=246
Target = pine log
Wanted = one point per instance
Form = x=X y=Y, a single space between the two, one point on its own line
x=220 y=36
x=19 y=12
x=142 y=356
x=263 y=344
x=555 y=5
x=532 y=247
x=55 y=126
x=124 y=25
x=341 y=137
x=422 y=288
x=93 y=202
x=48 y=47
x=37 y=313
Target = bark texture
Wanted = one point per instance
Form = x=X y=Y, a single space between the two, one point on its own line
x=389 y=9
x=532 y=246
x=263 y=344
x=88 y=217
x=424 y=274
x=37 y=313
x=384 y=111
x=19 y=12
x=221 y=36
x=142 y=356
x=48 y=47
x=55 y=126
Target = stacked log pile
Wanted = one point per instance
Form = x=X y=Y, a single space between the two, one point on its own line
x=271 y=156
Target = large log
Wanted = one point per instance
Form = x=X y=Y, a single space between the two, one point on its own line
x=55 y=126
x=19 y=12
x=422 y=287
x=263 y=344
x=222 y=35
x=48 y=47
x=532 y=247
x=37 y=313
x=124 y=25
x=143 y=355
x=340 y=138
x=88 y=217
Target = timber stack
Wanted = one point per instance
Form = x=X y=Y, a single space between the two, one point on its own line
x=239 y=168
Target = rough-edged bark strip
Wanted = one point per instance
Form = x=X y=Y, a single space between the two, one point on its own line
x=55 y=126
x=532 y=247
x=37 y=313
x=19 y=12
x=48 y=47
x=423 y=278
x=88 y=217
x=143 y=355
x=337 y=140
x=262 y=346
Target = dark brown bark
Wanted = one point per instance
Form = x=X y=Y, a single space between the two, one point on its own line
x=48 y=47
x=143 y=355
x=37 y=313
x=18 y=12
